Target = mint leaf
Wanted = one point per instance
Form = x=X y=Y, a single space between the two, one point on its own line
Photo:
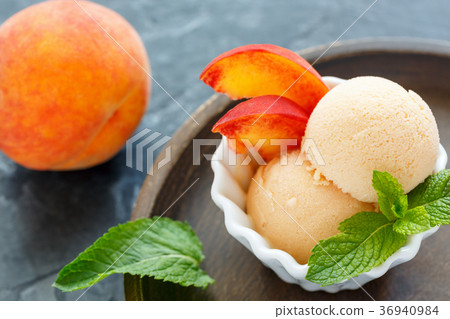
x=416 y=220
x=362 y=222
x=434 y=195
x=391 y=197
x=157 y=247
x=367 y=241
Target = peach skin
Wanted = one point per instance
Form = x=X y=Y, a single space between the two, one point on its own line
x=283 y=120
x=265 y=69
x=70 y=97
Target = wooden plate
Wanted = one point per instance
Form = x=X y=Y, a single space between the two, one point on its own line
x=420 y=65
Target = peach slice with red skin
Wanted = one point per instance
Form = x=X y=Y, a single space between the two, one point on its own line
x=265 y=69
x=276 y=119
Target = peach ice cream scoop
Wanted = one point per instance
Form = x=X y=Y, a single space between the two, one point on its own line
x=292 y=211
x=371 y=123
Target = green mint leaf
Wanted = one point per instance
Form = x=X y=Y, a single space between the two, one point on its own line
x=391 y=197
x=400 y=205
x=434 y=195
x=367 y=241
x=158 y=247
x=416 y=220
x=363 y=222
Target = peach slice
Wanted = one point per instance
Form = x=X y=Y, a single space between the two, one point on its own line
x=272 y=122
x=265 y=69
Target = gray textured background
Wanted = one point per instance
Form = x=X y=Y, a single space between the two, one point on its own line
x=46 y=219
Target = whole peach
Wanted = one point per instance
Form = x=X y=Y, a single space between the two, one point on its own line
x=70 y=94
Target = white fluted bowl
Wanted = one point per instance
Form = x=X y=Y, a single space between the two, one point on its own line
x=229 y=193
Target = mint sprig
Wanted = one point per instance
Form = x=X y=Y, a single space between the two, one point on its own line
x=159 y=247
x=367 y=239
x=356 y=250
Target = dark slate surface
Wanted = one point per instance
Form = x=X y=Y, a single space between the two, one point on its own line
x=47 y=218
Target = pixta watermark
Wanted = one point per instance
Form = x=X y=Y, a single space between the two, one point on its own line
x=142 y=148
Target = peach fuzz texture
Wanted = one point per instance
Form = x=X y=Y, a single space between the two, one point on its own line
x=69 y=96
x=371 y=123
x=318 y=209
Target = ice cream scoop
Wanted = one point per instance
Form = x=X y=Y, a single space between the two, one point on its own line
x=371 y=123
x=292 y=211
